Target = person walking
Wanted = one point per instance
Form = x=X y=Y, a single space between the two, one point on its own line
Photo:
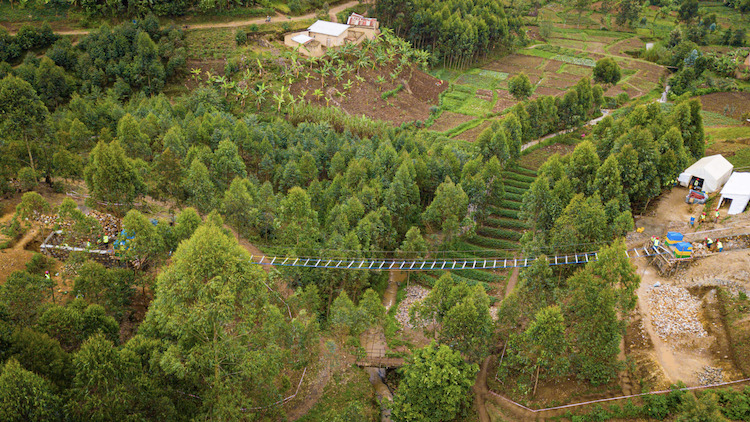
x=703 y=218
x=717 y=216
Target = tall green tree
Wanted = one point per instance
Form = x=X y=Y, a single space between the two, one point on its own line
x=23 y=118
x=595 y=328
x=582 y=226
x=607 y=71
x=402 y=199
x=135 y=142
x=468 y=326
x=448 y=209
x=112 y=177
x=237 y=206
x=147 y=245
x=25 y=396
x=23 y=294
x=414 y=245
x=211 y=308
x=435 y=386
x=687 y=117
x=520 y=86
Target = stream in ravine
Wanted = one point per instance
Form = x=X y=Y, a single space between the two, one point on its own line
x=375 y=345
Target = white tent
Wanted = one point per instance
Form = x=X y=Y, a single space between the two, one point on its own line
x=737 y=190
x=709 y=172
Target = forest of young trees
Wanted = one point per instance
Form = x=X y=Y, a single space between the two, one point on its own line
x=192 y=329
x=559 y=322
x=455 y=32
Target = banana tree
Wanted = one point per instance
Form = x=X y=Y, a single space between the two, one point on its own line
x=260 y=94
x=242 y=93
x=196 y=72
x=280 y=98
x=302 y=96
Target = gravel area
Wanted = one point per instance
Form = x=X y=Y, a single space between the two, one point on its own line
x=674 y=312
x=414 y=294
x=710 y=375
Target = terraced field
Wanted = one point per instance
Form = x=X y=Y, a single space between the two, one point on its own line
x=497 y=237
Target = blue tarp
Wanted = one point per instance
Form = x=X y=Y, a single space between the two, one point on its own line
x=674 y=236
x=683 y=246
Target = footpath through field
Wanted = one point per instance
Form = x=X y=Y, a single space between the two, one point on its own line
x=235 y=24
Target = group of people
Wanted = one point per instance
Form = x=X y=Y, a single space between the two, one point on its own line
x=714 y=246
x=655 y=242
x=702 y=218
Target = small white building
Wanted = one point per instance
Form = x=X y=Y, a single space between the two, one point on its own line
x=737 y=191
x=329 y=34
x=707 y=174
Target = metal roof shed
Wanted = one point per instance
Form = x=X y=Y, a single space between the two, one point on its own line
x=302 y=39
x=737 y=190
x=332 y=29
x=712 y=171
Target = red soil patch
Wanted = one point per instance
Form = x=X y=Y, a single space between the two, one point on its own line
x=620 y=47
x=545 y=90
x=472 y=134
x=449 y=120
x=559 y=81
x=504 y=100
x=516 y=63
x=736 y=103
x=216 y=67
x=552 y=66
x=413 y=102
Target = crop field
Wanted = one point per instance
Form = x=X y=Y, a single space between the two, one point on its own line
x=553 y=67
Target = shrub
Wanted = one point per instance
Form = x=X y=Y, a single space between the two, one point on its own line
x=27 y=178
x=607 y=71
x=39 y=264
x=240 y=37
x=392 y=92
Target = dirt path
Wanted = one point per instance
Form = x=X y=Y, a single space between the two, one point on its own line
x=512 y=281
x=235 y=24
x=480 y=391
x=591 y=122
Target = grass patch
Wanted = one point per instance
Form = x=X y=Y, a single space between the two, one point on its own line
x=519 y=177
x=514 y=189
x=523 y=170
x=716 y=119
x=517 y=184
x=476 y=107
x=498 y=233
x=50 y=12
x=482 y=78
x=489 y=242
x=344 y=392
x=734 y=309
x=512 y=205
x=514 y=196
x=463 y=127
x=506 y=223
x=503 y=212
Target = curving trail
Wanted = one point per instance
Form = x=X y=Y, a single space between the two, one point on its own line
x=235 y=24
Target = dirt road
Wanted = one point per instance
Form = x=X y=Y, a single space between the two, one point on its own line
x=235 y=24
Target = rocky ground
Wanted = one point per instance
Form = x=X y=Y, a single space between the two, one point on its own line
x=414 y=294
x=710 y=375
x=674 y=312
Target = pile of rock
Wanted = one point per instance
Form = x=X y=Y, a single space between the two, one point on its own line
x=710 y=375
x=414 y=294
x=110 y=223
x=674 y=312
